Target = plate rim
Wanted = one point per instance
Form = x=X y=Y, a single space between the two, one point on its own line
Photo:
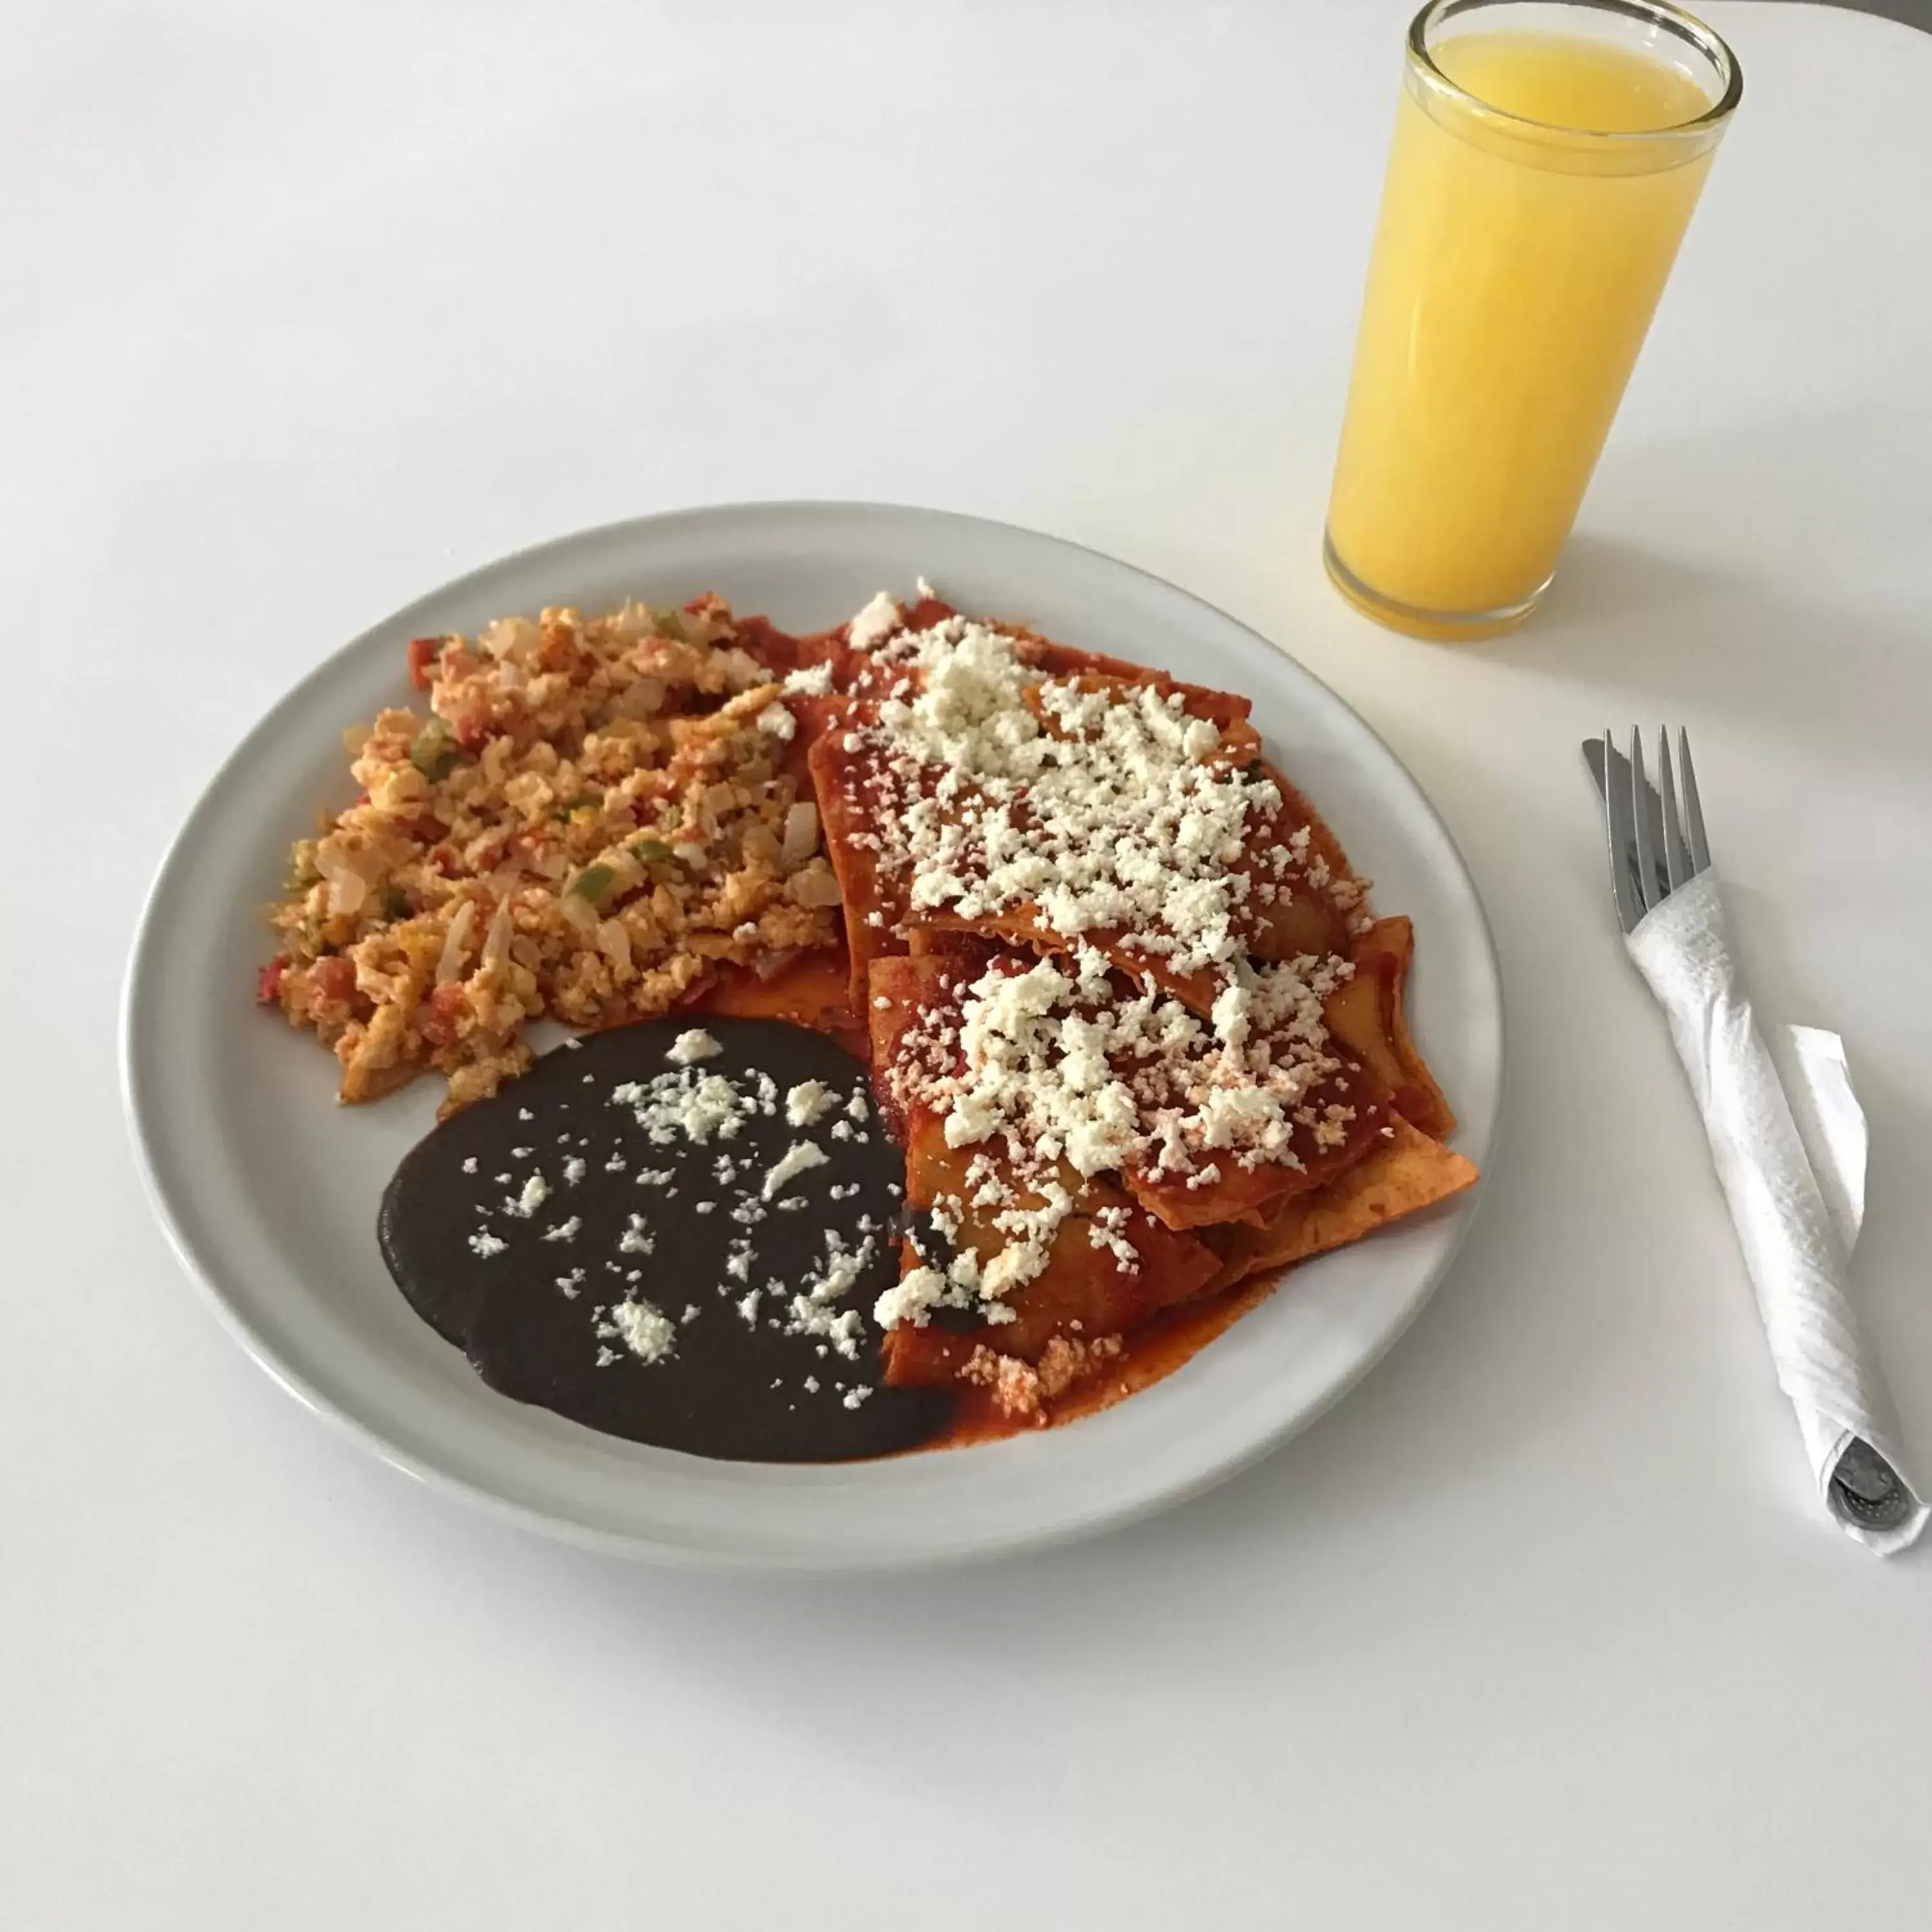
x=664 y=1550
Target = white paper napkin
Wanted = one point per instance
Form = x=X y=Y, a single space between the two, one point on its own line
x=1790 y=1153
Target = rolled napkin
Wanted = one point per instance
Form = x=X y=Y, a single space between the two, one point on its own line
x=1790 y=1153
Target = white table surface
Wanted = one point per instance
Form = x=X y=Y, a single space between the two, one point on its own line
x=308 y=309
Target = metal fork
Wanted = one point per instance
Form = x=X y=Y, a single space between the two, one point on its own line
x=1653 y=850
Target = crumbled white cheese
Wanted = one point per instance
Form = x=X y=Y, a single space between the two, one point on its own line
x=800 y=1158
x=1230 y=1015
x=564 y=1230
x=875 y=623
x=813 y=1312
x=486 y=1244
x=1136 y=822
x=536 y=1192
x=645 y=1331
x=840 y=1331
x=693 y=1044
x=573 y=1170
x=813 y=682
x=1055 y=1067
x=776 y=720
x=699 y=1106
x=809 y=1102
x=911 y=1298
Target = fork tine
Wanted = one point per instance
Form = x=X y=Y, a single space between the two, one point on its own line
x=1647 y=828
x=1650 y=822
x=1694 y=812
x=1622 y=824
x=1676 y=855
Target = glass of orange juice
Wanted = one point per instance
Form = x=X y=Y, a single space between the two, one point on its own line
x=1547 y=155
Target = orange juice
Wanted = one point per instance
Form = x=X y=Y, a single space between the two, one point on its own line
x=1530 y=214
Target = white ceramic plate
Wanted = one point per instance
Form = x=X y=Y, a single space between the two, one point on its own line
x=268 y=1190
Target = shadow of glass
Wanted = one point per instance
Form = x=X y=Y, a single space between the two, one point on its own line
x=1781 y=599
x=1606 y=580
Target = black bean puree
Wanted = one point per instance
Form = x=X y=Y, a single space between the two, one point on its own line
x=536 y=1329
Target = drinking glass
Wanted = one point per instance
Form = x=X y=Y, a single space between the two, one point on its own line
x=1547 y=156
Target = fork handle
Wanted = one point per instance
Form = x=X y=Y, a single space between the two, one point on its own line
x=1796 y=1257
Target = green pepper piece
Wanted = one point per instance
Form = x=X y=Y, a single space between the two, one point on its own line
x=435 y=753
x=395 y=903
x=652 y=851
x=593 y=882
